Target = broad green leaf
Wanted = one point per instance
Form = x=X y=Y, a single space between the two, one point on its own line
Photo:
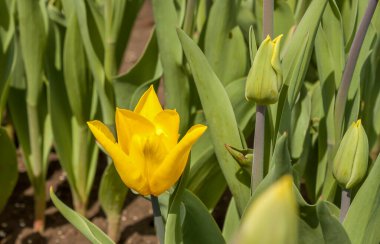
x=76 y=74
x=243 y=109
x=331 y=26
x=283 y=18
x=280 y=165
x=221 y=119
x=199 y=226
x=300 y=121
x=225 y=48
x=363 y=218
x=319 y=224
x=112 y=192
x=308 y=26
x=333 y=231
x=126 y=18
x=177 y=212
x=90 y=26
x=175 y=79
x=231 y=221
x=147 y=68
x=8 y=167
x=88 y=229
x=33 y=36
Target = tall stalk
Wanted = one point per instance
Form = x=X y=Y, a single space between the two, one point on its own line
x=38 y=175
x=258 y=144
x=341 y=100
x=350 y=67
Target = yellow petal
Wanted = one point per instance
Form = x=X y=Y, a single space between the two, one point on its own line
x=149 y=105
x=148 y=153
x=128 y=124
x=167 y=122
x=129 y=173
x=174 y=164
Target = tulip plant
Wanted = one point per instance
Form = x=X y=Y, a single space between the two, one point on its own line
x=276 y=102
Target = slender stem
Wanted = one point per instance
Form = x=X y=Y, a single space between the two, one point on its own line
x=344 y=204
x=189 y=16
x=109 y=51
x=158 y=223
x=350 y=67
x=258 y=144
x=35 y=140
x=267 y=18
x=39 y=204
x=81 y=168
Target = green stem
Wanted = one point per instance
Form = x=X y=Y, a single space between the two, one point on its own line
x=344 y=204
x=35 y=140
x=81 y=169
x=109 y=49
x=258 y=144
x=39 y=205
x=350 y=67
x=158 y=222
x=189 y=17
x=113 y=228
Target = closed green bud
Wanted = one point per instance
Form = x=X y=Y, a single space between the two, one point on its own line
x=351 y=160
x=265 y=76
x=272 y=217
x=243 y=157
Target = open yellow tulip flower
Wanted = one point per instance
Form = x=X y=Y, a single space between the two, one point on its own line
x=147 y=154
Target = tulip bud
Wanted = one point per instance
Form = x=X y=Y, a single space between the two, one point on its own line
x=351 y=160
x=265 y=76
x=243 y=157
x=272 y=217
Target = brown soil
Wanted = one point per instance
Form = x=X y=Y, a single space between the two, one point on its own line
x=16 y=220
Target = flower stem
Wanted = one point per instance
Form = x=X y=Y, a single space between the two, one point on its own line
x=158 y=223
x=258 y=144
x=344 y=204
x=350 y=67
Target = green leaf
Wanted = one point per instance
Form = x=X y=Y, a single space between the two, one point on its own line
x=112 y=192
x=280 y=165
x=231 y=221
x=225 y=47
x=294 y=72
x=7 y=60
x=33 y=43
x=221 y=119
x=88 y=229
x=76 y=74
x=177 y=92
x=319 y=224
x=363 y=216
x=147 y=69
x=8 y=167
x=199 y=226
x=124 y=17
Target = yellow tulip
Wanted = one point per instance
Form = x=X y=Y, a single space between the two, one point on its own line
x=147 y=154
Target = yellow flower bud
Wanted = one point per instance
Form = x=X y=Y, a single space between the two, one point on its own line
x=265 y=76
x=272 y=217
x=351 y=160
